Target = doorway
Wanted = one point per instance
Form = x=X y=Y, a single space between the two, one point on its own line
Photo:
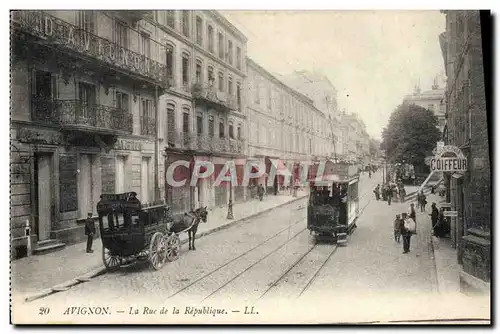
x=44 y=192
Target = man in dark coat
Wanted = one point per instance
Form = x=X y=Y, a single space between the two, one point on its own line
x=435 y=219
x=89 y=231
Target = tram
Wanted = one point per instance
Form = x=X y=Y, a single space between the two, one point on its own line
x=333 y=205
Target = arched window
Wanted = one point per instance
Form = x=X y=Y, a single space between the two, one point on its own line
x=199 y=71
x=170 y=61
x=185 y=120
x=171 y=126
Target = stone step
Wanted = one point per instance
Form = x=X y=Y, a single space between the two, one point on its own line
x=48 y=246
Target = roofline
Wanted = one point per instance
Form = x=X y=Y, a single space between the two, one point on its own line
x=222 y=20
x=251 y=62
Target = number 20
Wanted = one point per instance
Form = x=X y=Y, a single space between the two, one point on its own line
x=44 y=311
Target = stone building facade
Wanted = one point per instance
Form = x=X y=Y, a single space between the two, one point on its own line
x=85 y=87
x=202 y=112
x=466 y=128
x=283 y=123
x=432 y=99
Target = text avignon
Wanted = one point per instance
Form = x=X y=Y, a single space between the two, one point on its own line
x=91 y=310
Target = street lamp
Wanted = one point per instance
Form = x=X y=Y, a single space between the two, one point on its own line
x=230 y=204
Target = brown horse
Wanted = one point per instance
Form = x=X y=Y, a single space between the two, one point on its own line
x=189 y=223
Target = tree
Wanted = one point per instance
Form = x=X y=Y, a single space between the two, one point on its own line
x=410 y=135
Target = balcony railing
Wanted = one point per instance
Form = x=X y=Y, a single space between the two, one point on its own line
x=66 y=35
x=80 y=116
x=148 y=126
x=208 y=93
x=204 y=142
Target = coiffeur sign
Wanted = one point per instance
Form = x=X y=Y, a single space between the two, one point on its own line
x=458 y=163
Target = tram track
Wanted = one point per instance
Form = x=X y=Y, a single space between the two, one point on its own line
x=286 y=229
x=261 y=259
x=302 y=259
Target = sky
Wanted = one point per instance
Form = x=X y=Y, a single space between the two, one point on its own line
x=373 y=58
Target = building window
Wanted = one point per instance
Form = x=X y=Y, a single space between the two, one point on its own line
x=199 y=31
x=221 y=82
x=87 y=98
x=121 y=34
x=170 y=18
x=238 y=58
x=221 y=45
x=185 y=70
x=238 y=95
x=185 y=23
x=171 y=118
x=145 y=45
x=211 y=126
x=230 y=52
x=86 y=20
x=210 y=39
x=147 y=117
x=185 y=120
x=221 y=129
x=230 y=86
x=169 y=62
x=199 y=124
x=231 y=131
x=210 y=73
x=198 y=72
x=238 y=130
x=122 y=101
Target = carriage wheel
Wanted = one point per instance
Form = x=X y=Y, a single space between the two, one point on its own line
x=173 y=247
x=157 y=250
x=111 y=262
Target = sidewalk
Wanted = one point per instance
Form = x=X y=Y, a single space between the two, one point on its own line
x=39 y=275
x=445 y=257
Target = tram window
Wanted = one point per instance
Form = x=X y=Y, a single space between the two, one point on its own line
x=135 y=219
x=119 y=221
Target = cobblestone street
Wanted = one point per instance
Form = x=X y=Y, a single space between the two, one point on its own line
x=273 y=257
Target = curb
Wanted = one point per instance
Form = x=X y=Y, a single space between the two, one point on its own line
x=434 y=274
x=101 y=270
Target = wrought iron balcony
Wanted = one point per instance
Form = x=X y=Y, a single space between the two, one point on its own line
x=205 y=143
x=208 y=94
x=73 y=114
x=135 y=15
x=57 y=32
x=148 y=126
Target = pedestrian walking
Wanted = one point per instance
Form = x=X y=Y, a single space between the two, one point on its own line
x=376 y=191
x=389 y=195
x=422 y=200
x=435 y=219
x=409 y=228
x=402 y=193
x=412 y=213
x=89 y=231
x=397 y=228
x=260 y=191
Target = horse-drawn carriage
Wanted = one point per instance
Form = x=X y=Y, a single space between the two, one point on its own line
x=334 y=202
x=131 y=232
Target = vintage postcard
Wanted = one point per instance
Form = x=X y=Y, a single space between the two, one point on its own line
x=250 y=167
